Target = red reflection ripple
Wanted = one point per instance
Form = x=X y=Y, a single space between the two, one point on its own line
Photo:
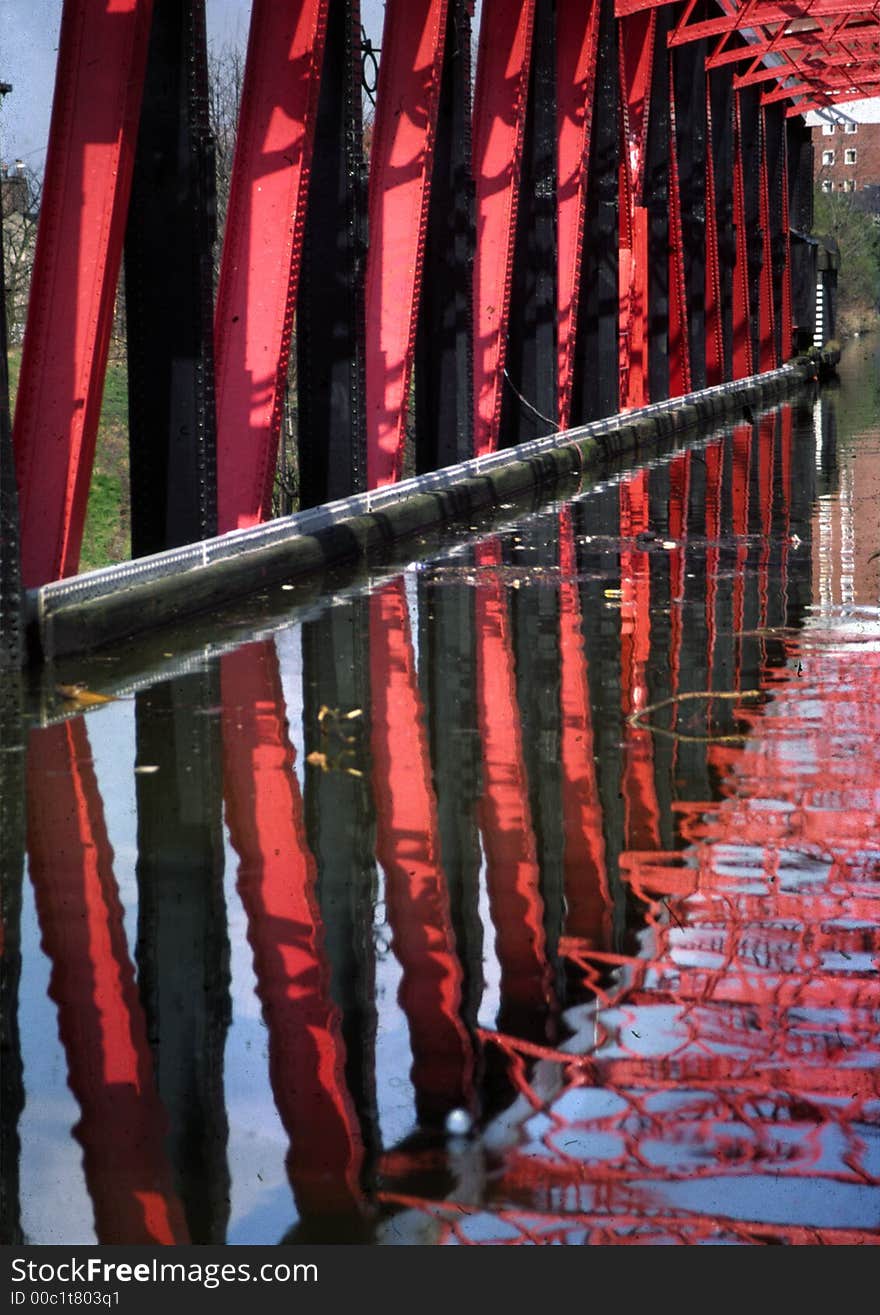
x=723 y=1086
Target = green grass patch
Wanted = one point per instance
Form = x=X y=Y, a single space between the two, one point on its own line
x=106 y=538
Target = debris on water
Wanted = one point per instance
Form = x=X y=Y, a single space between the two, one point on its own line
x=146 y=769
x=458 y=1123
x=82 y=696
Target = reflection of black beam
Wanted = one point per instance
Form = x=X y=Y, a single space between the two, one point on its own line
x=690 y=759
x=595 y=381
x=802 y=495
x=534 y=612
x=12 y=824
x=330 y=306
x=341 y=834
x=444 y=347
x=531 y=335
x=183 y=947
x=598 y=564
x=660 y=663
x=169 y=298
x=447 y=675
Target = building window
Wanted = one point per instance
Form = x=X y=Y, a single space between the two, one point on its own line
x=849 y=184
x=851 y=127
x=849 y=157
x=827 y=129
x=827 y=157
x=827 y=184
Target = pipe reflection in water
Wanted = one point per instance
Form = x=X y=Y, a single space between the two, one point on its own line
x=586 y=861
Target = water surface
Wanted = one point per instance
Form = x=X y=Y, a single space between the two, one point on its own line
x=528 y=894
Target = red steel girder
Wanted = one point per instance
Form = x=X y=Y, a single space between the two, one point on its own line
x=99 y=83
x=577 y=33
x=742 y=339
x=500 y=101
x=408 y=847
x=400 y=181
x=100 y=1020
x=636 y=62
x=766 y=317
x=679 y=344
x=259 y=271
x=276 y=882
x=714 y=317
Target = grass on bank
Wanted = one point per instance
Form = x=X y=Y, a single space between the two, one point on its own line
x=106 y=538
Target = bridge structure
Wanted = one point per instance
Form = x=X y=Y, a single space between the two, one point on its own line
x=608 y=206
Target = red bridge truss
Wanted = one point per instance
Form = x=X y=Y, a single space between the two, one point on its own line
x=618 y=213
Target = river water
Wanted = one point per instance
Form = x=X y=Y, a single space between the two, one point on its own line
x=527 y=894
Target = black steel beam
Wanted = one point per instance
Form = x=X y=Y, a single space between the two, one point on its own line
x=444 y=342
x=529 y=396
x=596 y=373
x=656 y=199
x=169 y=292
x=330 y=306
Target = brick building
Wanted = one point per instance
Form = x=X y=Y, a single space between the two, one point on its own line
x=847 y=153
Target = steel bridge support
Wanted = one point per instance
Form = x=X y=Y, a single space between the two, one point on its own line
x=577 y=37
x=689 y=100
x=799 y=153
x=259 y=272
x=400 y=183
x=720 y=232
x=76 y=264
x=331 y=420
x=529 y=394
x=169 y=298
x=500 y=100
x=595 y=364
x=444 y=360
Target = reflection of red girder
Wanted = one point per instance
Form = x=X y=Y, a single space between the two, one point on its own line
x=100 y=1020
x=512 y=873
x=587 y=897
x=408 y=847
x=276 y=881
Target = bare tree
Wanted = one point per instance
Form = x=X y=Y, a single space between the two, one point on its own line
x=225 y=80
x=21 y=194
